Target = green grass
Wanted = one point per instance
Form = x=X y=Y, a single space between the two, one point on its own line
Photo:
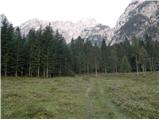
x=85 y=96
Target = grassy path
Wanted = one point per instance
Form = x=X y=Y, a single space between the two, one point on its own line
x=94 y=93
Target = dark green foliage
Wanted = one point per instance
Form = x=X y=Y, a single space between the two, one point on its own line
x=44 y=53
x=125 y=66
x=7 y=41
x=143 y=55
x=104 y=56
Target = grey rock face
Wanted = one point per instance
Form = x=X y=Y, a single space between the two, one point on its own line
x=140 y=18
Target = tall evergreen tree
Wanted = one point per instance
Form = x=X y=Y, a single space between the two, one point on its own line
x=143 y=55
x=7 y=41
x=96 y=58
x=136 y=48
x=104 y=56
x=88 y=58
x=48 y=39
x=18 y=48
x=125 y=66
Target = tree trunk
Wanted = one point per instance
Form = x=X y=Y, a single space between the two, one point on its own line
x=96 y=71
x=38 y=71
x=80 y=69
x=116 y=68
x=137 y=65
x=47 y=66
x=44 y=71
x=154 y=69
x=29 y=71
x=59 y=72
x=87 y=68
x=150 y=64
x=5 y=71
x=47 y=71
x=16 y=74
x=21 y=73
x=16 y=70
x=95 y=68
x=143 y=68
x=105 y=69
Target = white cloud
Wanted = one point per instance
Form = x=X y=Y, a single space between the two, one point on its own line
x=104 y=11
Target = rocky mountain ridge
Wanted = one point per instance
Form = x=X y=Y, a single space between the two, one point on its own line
x=68 y=29
x=139 y=18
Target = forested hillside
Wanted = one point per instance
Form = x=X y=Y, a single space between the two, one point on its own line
x=45 y=53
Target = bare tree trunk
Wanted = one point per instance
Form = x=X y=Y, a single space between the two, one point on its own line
x=29 y=70
x=31 y=73
x=154 y=69
x=16 y=74
x=43 y=70
x=143 y=68
x=5 y=71
x=21 y=72
x=59 y=72
x=96 y=71
x=150 y=64
x=95 y=68
x=80 y=69
x=16 y=70
x=137 y=65
x=47 y=71
x=47 y=67
x=87 y=68
x=116 y=68
x=105 y=69
x=38 y=71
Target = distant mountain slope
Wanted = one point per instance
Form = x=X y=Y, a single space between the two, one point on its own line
x=140 y=18
x=97 y=33
x=68 y=29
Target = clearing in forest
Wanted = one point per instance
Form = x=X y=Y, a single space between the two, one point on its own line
x=86 y=96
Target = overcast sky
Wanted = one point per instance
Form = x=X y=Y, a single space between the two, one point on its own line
x=104 y=11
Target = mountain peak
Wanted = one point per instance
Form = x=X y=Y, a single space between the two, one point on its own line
x=138 y=1
x=68 y=29
x=140 y=16
x=88 y=21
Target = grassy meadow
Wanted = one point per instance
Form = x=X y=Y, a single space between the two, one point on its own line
x=84 y=96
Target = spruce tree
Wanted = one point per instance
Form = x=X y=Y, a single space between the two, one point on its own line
x=143 y=55
x=7 y=42
x=18 y=48
x=125 y=66
x=104 y=56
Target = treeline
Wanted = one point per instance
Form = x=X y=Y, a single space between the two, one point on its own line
x=45 y=53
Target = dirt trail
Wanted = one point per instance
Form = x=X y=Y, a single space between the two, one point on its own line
x=95 y=89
